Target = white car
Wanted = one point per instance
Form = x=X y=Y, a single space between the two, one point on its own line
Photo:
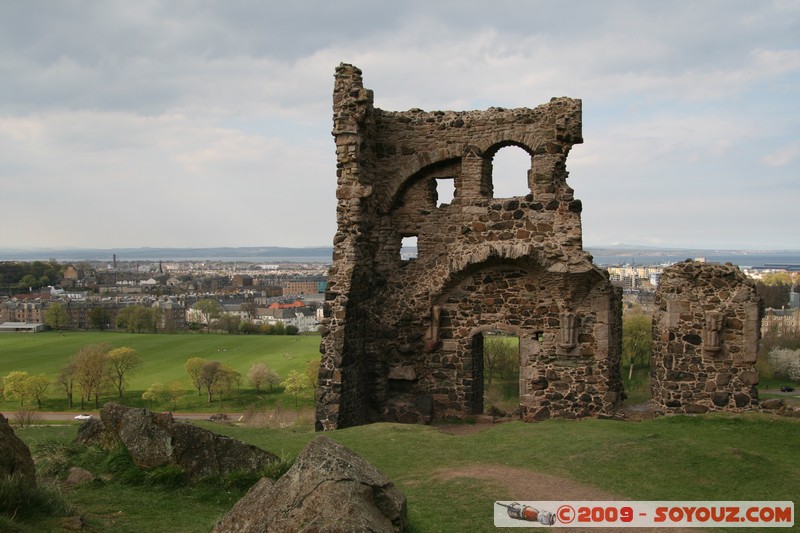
x=83 y=417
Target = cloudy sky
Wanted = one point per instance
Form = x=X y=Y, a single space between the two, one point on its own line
x=207 y=123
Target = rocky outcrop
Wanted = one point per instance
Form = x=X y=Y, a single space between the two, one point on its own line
x=15 y=457
x=155 y=439
x=329 y=488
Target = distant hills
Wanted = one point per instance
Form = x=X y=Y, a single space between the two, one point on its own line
x=609 y=254
x=253 y=253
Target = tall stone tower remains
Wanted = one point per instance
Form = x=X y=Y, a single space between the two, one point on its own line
x=403 y=337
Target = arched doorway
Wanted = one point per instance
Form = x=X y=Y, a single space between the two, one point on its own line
x=501 y=371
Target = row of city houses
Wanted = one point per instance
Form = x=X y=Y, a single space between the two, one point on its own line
x=176 y=313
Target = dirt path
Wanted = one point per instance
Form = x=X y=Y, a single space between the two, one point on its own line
x=526 y=485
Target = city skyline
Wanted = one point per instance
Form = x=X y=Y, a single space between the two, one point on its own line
x=152 y=125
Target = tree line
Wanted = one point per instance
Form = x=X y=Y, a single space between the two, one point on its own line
x=774 y=288
x=19 y=275
x=91 y=371
x=96 y=369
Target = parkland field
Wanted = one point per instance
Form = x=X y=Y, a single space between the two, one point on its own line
x=451 y=473
x=163 y=360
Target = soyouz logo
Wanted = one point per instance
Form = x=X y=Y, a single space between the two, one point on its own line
x=619 y=514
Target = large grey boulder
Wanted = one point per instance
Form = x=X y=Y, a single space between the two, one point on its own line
x=156 y=439
x=15 y=457
x=329 y=488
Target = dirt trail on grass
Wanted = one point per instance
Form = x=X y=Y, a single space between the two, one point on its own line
x=525 y=485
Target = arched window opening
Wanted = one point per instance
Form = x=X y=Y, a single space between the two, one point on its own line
x=445 y=191
x=408 y=248
x=510 y=167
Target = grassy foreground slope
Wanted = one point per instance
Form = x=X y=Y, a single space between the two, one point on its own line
x=712 y=457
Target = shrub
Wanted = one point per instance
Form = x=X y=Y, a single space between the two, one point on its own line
x=20 y=499
x=785 y=363
x=278 y=468
x=54 y=457
x=169 y=476
x=26 y=418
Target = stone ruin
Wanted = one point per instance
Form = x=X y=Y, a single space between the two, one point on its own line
x=403 y=337
x=705 y=339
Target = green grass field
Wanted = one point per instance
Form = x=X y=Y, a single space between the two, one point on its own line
x=709 y=457
x=163 y=358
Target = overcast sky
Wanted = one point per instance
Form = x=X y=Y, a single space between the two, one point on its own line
x=207 y=123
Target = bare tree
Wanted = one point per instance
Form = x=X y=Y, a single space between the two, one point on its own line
x=66 y=380
x=121 y=362
x=257 y=375
x=210 y=373
x=37 y=385
x=194 y=367
x=91 y=372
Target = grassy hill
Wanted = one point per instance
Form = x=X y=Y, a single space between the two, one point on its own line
x=451 y=480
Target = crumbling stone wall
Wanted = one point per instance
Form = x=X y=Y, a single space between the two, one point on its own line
x=403 y=339
x=706 y=327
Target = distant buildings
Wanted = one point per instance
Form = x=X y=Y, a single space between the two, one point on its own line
x=173 y=288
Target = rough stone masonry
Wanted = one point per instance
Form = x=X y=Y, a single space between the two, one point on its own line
x=705 y=339
x=403 y=337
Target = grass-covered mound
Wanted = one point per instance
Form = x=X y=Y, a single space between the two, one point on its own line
x=709 y=457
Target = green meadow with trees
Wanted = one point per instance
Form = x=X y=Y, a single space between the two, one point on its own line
x=462 y=466
x=151 y=370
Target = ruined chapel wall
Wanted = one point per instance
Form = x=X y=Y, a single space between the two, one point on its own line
x=705 y=339
x=378 y=363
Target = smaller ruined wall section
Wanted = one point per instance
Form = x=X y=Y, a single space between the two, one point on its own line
x=705 y=339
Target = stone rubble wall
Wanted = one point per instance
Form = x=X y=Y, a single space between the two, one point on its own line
x=402 y=339
x=705 y=339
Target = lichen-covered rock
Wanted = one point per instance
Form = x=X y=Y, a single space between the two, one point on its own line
x=773 y=403
x=15 y=457
x=329 y=488
x=156 y=439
